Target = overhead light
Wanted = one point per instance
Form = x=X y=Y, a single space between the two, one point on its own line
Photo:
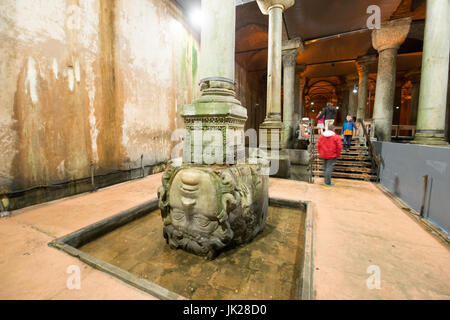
x=397 y=108
x=337 y=108
x=355 y=89
x=312 y=103
x=196 y=18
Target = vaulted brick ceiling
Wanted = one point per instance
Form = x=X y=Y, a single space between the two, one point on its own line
x=315 y=20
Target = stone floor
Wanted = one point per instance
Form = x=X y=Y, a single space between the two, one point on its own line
x=266 y=268
x=356 y=226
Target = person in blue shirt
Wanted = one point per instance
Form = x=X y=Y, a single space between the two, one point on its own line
x=348 y=129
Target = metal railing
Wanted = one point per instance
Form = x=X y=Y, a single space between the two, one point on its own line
x=369 y=131
x=312 y=151
x=368 y=127
x=398 y=129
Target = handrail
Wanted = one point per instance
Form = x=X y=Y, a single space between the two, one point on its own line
x=403 y=127
x=369 y=143
x=313 y=152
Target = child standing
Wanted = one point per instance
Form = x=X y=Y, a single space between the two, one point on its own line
x=320 y=122
x=348 y=129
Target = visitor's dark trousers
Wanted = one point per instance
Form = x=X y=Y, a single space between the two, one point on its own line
x=347 y=141
x=328 y=166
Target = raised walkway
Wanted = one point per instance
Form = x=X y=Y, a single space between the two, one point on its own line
x=356 y=226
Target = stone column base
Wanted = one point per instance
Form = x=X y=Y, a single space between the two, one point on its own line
x=270 y=149
x=280 y=163
x=214 y=125
x=268 y=128
x=430 y=138
x=288 y=134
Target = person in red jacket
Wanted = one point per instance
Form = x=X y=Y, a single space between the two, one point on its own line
x=329 y=147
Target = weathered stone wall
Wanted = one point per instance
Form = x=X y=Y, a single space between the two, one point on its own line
x=86 y=81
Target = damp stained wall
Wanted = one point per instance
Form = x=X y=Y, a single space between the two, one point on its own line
x=90 y=81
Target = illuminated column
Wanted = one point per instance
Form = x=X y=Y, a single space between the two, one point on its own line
x=217 y=107
x=302 y=85
x=274 y=8
x=351 y=81
x=272 y=127
x=414 y=77
x=363 y=65
x=387 y=41
x=434 y=82
x=344 y=90
x=289 y=62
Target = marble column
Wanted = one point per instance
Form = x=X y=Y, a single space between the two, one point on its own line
x=434 y=82
x=387 y=41
x=351 y=81
x=298 y=99
x=414 y=77
x=302 y=85
x=217 y=106
x=289 y=62
x=272 y=127
x=345 y=96
x=213 y=199
x=274 y=9
x=398 y=97
x=363 y=65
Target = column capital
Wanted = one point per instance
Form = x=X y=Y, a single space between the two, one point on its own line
x=391 y=35
x=363 y=63
x=413 y=76
x=266 y=5
x=351 y=80
x=296 y=43
x=290 y=57
x=300 y=69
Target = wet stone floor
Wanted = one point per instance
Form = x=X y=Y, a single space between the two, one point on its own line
x=266 y=268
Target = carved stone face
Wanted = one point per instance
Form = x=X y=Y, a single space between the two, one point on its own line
x=207 y=209
x=194 y=200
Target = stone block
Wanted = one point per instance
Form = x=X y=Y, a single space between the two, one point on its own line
x=207 y=209
x=300 y=157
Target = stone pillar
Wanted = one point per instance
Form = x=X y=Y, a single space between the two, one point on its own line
x=351 y=81
x=296 y=99
x=398 y=96
x=344 y=102
x=217 y=107
x=289 y=62
x=302 y=86
x=274 y=8
x=272 y=126
x=387 y=41
x=214 y=198
x=434 y=83
x=213 y=50
x=414 y=77
x=363 y=65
